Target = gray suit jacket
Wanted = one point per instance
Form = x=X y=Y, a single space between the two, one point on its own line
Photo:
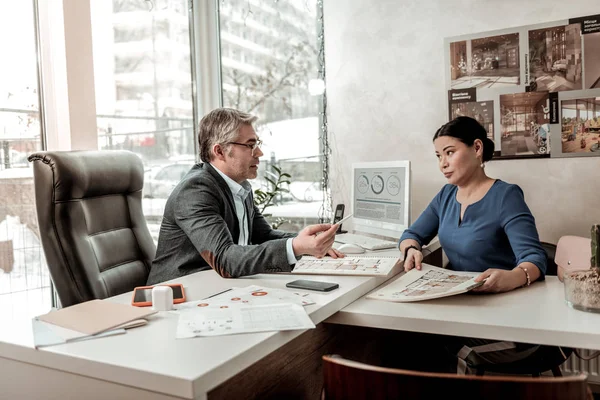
x=200 y=230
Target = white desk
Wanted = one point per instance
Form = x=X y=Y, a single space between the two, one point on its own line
x=148 y=362
x=537 y=314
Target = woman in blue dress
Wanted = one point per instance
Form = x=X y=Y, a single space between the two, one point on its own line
x=483 y=224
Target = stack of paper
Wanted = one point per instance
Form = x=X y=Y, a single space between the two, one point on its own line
x=91 y=319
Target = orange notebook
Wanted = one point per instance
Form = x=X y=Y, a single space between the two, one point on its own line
x=95 y=316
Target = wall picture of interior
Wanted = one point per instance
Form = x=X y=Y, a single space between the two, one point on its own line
x=555 y=58
x=492 y=62
x=525 y=129
x=580 y=125
x=482 y=111
x=591 y=60
x=458 y=60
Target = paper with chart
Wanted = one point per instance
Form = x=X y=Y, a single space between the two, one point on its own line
x=215 y=320
x=358 y=265
x=250 y=295
x=428 y=283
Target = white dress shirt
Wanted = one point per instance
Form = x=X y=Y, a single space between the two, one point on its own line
x=240 y=193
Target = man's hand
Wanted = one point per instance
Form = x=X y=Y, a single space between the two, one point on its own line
x=333 y=253
x=316 y=240
x=500 y=280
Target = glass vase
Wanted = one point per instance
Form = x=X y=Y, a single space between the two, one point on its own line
x=582 y=290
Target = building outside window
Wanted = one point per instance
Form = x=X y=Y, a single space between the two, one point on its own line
x=270 y=54
x=143 y=81
x=144 y=103
x=24 y=277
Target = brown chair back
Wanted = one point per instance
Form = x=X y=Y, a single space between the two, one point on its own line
x=92 y=228
x=345 y=379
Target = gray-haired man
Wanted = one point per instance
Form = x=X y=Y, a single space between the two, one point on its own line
x=211 y=221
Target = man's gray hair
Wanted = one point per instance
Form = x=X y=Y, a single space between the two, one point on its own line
x=220 y=126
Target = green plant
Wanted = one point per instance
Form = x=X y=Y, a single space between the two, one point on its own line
x=595 y=261
x=275 y=187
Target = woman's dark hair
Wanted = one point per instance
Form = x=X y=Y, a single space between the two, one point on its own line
x=467 y=130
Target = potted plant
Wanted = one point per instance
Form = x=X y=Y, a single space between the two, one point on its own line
x=582 y=288
x=276 y=187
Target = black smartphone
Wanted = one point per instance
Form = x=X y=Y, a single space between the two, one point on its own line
x=339 y=214
x=312 y=285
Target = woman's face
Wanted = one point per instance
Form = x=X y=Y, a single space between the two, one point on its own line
x=457 y=161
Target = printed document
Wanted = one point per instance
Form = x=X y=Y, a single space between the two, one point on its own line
x=428 y=283
x=350 y=265
x=250 y=295
x=215 y=320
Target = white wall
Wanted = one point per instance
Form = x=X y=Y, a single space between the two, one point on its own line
x=386 y=98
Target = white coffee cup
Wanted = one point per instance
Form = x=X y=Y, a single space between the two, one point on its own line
x=162 y=298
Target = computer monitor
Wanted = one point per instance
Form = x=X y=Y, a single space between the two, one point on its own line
x=381 y=197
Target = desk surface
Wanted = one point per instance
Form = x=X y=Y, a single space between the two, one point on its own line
x=537 y=314
x=151 y=358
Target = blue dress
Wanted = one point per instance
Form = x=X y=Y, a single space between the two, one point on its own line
x=498 y=231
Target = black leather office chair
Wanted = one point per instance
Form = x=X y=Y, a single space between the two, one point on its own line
x=93 y=231
x=551 y=267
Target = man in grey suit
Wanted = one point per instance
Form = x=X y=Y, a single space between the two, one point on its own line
x=210 y=219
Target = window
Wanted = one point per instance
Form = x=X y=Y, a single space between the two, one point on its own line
x=268 y=75
x=173 y=173
x=144 y=102
x=24 y=277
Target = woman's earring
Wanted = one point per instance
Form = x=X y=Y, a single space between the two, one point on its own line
x=482 y=165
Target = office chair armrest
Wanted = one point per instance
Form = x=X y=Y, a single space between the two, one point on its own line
x=433 y=253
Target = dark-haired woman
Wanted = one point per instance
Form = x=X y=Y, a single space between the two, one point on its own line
x=483 y=224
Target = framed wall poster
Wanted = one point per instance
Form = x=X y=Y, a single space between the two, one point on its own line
x=579 y=125
x=514 y=82
x=525 y=124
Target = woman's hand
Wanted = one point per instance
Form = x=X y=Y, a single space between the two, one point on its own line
x=500 y=280
x=413 y=259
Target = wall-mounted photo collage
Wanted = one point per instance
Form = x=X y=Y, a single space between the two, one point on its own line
x=536 y=88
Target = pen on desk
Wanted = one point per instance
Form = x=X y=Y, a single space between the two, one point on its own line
x=216 y=294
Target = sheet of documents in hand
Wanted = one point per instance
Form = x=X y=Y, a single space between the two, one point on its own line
x=428 y=283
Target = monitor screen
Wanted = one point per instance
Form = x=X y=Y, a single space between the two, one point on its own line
x=381 y=197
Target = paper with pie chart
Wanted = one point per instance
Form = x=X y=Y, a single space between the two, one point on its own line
x=250 y=295
x=379 y=194
x=241 y=318
x=244 y=310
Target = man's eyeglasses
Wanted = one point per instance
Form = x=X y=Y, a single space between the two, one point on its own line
x=251 y=146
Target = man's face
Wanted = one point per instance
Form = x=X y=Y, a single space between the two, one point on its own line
x=242 y=162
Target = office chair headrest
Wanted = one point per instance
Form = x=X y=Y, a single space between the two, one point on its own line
x=80 y=174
